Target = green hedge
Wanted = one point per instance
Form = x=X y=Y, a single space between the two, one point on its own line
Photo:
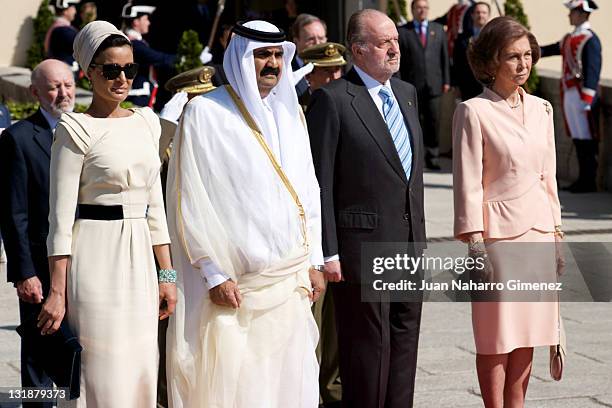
x=21 y=110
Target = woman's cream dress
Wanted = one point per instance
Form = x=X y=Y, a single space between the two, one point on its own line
x=112 y=289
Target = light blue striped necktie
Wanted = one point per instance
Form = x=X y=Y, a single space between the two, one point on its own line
x=397 y=127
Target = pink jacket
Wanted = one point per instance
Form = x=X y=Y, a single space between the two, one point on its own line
x=503 y=170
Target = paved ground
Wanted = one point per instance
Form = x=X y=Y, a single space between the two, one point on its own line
x=446 y=375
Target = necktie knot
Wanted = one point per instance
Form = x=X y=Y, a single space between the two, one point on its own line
x=385 y=94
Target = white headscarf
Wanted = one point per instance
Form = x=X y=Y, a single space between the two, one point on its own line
x=239 y=66
x=88 y=40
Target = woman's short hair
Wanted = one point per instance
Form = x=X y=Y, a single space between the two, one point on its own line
x=113 y=40
x=497 y=34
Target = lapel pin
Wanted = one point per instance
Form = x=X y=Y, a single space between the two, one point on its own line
x=409 y=103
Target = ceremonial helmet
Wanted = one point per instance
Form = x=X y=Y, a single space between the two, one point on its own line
x=587 y=6
x=64 y=4
x=131 y=11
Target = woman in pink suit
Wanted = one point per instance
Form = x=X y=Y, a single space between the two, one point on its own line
x=505 y=191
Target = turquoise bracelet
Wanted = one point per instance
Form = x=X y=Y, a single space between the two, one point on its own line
x=167 y=276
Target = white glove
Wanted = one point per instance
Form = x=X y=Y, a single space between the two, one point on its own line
x=586 y=107
x=174 y=108
x=302 y=72
x=205 y=56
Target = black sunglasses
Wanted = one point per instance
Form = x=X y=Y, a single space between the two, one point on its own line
x=112 y=71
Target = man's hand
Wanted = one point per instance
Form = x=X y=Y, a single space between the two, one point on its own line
x=30 y=290
x=52 y=313
x=317 y=280
x=445 y=88
x=226 y=294
x=167 y=299
x=333 y=271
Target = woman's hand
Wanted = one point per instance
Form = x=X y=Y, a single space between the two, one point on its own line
x=167 y=299
x=52 y=313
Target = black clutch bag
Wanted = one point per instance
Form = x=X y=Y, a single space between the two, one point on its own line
x=59 y=354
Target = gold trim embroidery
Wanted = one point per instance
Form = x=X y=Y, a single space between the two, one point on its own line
x=258 y=135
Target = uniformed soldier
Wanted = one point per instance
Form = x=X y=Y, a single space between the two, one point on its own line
x=184 y=86
x=136 y=24
x=458 y=20
x=60 y=36
x=328 y=62
x=581 y=54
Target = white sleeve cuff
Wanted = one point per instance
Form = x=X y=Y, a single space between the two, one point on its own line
x=332 y=258
x=211 y=273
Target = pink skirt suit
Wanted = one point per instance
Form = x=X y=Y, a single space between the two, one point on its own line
x=505 y=187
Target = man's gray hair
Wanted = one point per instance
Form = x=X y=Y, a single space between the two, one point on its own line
x=301 y=21
x=356 y=33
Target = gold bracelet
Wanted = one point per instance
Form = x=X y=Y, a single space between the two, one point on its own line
x=559 y=232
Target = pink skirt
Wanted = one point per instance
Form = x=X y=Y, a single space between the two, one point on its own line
x=500 y=327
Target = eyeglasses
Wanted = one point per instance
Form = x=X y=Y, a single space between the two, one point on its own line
x=112 y=71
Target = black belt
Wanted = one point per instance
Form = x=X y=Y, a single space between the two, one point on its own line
x=99 y=212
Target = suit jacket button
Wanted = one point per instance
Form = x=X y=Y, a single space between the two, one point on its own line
x=541 y=177
x=407 y=217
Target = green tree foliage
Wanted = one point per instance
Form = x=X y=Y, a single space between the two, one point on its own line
x=42 y=22
x=188 y=53
x=514 y=8
x=392 y=12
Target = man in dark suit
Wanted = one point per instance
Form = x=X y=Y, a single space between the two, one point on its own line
x=367 y=149
x=425 y=65
x=25 y=153
x=462 y=75
x=307 y=30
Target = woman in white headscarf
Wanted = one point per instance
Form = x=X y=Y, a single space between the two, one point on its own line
x=104 y=163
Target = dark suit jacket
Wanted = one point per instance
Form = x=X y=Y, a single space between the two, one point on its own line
x=463 y=77
x=5 y=117
x=301 y=87
x=365 y=196
x=427 y=68
x=25 y=153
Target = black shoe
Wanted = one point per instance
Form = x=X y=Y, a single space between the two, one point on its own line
x=431 y=163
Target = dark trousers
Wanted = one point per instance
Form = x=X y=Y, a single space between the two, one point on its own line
x=377 y=344
x=32 y=373
x=586 y=150
x=429 y=116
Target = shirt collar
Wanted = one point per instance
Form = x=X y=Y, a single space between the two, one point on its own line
x=583 y=27
x=51 y=120
x=133 y=34
x=371 y=84
x=425 y=23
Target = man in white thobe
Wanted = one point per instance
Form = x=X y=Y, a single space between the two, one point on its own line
x=244 y=215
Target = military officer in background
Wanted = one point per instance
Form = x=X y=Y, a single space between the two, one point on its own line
x=581 y=53
x=185 y=86
x=60 y=36
x=328 y=62
x=136 y=24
